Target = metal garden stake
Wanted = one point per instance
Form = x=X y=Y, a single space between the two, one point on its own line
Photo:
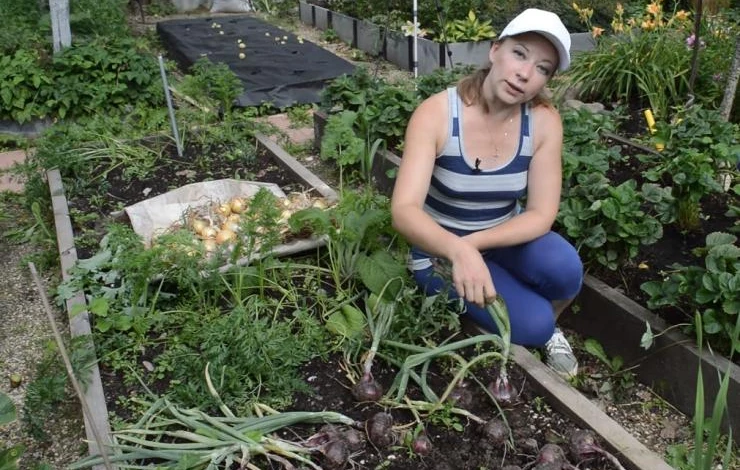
x=173 y=123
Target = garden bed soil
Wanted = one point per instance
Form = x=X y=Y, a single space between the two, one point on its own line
x=619 y=301
x=536 y=419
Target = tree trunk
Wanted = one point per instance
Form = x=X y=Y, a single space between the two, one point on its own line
x=725 y=109
x=61 y=33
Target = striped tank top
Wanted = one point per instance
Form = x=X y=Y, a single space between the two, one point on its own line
x=464 y=199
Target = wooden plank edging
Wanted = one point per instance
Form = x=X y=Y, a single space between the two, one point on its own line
x=566 y=399
x=79 y=324
x=295 y=167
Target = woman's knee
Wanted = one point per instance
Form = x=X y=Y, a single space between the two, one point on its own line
x=532 y=326
x=565 y=274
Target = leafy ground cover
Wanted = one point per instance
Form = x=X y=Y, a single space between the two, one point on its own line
x=283 y=360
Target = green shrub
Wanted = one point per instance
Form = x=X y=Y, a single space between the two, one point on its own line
x=103 y=75
x=647 y=60
x=23 y=84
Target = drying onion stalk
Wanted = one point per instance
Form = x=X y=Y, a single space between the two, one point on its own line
x=379 y=316
x=174 y=437
x=501 y=389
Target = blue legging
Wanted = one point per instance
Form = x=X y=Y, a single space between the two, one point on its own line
x=528 y=277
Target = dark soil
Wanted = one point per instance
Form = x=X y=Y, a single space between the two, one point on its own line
x=675 y=246
x=171 y=171
x=532 y=421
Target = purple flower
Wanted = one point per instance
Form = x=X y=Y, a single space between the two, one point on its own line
x=692 y=39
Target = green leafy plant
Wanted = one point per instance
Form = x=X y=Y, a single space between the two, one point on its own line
x=341 y=144
x=697 y=146
x=9 y=456
x=329 y=35
x=619 y=380
x=382 y=109
x=470 y=28
x=584 y=147
x=248 y=347
x=609 y=223
x=707 y=450
x=713 y=287
x=212 y=83
x=22 y=81
x=647 y=58
x=440 y=79
x=103 y=74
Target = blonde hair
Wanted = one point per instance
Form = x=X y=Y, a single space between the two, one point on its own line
x=470 y=89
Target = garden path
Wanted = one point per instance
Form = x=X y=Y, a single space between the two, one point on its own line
x=7 y=160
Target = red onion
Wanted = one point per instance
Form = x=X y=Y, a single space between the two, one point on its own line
x=336 y=454
x=421 y=444
x=367 y=389
x=551 y=453
x=502 y=390
x=496 y=432
x=583 y=446
x=355 y=439
x=379 y=429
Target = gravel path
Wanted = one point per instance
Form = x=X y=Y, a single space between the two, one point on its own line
x=25 y=335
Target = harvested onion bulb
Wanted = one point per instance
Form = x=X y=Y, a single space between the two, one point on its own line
x=225 y=236
x=237 y=205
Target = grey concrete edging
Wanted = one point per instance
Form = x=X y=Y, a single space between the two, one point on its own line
x=397 y=48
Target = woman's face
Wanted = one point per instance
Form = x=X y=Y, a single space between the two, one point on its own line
x=521 y=67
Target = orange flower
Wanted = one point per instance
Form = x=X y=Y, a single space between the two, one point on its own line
x=619 y=10
x=648 y=25
x=596 y=31
x=654 y=9
x=682 y=15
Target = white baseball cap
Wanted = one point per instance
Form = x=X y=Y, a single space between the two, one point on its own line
x=545 y=23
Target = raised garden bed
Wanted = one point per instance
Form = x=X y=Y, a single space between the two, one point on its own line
x=617 y=323
x=398 y=48
x=532 y=377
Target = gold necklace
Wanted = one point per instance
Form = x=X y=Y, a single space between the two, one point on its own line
x=492 y=139
x=507 y=125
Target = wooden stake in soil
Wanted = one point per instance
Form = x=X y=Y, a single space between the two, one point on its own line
x=68 y=366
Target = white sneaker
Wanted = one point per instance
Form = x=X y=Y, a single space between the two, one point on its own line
x=560 y=357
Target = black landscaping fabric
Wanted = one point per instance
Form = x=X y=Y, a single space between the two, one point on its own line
x=279 y=67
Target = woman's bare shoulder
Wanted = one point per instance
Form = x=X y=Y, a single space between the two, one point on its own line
x=434 y=104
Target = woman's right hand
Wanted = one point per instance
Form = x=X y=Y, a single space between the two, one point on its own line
x=471 y=276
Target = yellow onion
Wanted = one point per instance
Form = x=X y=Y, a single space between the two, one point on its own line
x=230 y=225
x=209 y=245
x=224 y=210
x=209 y=232
x=224 y=236
x=319 y=204
x=198 y=225
x=237 y=205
